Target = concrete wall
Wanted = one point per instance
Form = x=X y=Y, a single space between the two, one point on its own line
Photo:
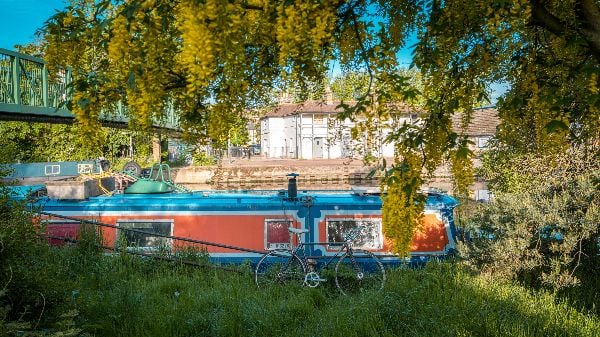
x=333 y=177
x=290 y=136
x=314 y=177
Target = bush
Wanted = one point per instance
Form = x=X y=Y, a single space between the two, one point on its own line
x=29 y=288
x=37 y=280
x=201 y=158
x=545 y=232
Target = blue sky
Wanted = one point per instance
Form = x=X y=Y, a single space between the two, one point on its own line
x=19 y=19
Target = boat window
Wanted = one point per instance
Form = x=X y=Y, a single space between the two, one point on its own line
x=51 y=170
x=367 y=232
x=276 y=234
x=60 y=232
x=146 y=240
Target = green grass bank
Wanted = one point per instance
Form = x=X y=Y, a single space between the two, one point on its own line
x=79 y=291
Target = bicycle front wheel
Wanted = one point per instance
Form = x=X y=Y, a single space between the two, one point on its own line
x=359 y=271
x=279 y=267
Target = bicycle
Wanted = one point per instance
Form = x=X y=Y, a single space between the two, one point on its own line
x=355 y=271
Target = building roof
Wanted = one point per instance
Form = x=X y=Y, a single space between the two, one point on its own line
x=289 y=109
x=484 y=122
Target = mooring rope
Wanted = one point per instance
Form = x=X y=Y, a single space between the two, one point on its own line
x=154 y=256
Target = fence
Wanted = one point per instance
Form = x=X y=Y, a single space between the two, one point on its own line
x=283 y=152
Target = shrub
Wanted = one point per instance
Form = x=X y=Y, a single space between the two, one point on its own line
x=543 y=230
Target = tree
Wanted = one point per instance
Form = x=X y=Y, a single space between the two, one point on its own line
x=353 y=85
x=40 y=142
x=350 y=86
x=212 y=59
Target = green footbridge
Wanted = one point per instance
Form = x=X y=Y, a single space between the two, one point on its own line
x=27 y=93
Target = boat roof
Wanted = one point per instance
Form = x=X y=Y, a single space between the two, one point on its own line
x=229 y=199
x=24 y=191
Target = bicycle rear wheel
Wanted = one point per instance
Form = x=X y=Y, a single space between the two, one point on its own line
x=358 y=272
x=279 y=267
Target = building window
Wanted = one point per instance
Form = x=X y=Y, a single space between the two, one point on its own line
x=319 y=119
x=482 y=142
x=277 y=235
x=146 y=240
x=367 y=232
x=482 y=195
x=52 y=170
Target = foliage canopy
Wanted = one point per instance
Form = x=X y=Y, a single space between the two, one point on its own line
x=212 y=59
x=39 y=142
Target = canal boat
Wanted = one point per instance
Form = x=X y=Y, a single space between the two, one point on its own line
x=239 y=226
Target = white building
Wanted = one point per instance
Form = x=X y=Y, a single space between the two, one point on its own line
x=297 y=131
x=312 y=131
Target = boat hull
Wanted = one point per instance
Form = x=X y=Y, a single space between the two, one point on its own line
x=250 y=223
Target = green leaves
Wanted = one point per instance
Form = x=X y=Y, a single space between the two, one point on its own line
x=83 y=103
x=556 y=126
x=464 y=152
x=540 y=227
x=38 y=142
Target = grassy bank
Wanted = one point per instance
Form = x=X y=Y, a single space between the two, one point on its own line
x=87 y=293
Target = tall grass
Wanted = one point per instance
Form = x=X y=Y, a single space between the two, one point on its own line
x=122 y=295
x=139 y=297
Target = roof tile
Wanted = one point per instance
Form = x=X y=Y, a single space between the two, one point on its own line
x=484 y=122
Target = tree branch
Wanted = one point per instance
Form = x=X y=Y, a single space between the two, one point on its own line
x=178 y=81
x=589 y=15
x=588 y=28
x=541 y=17
x=364 y=51
x=589 y=11
x=247 y=6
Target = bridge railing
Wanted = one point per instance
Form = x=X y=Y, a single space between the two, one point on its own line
x=25 y=87
x=27 y=90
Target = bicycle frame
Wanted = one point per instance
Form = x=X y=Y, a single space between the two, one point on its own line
x=298 y=266
x=300 y=252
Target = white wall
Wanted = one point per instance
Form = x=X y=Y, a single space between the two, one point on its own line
x=334 y=147
x=273 y=144
x=282 y=137
x=289 y=136
x=387 y=149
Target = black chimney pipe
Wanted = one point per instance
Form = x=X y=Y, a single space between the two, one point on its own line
x=292 y=186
